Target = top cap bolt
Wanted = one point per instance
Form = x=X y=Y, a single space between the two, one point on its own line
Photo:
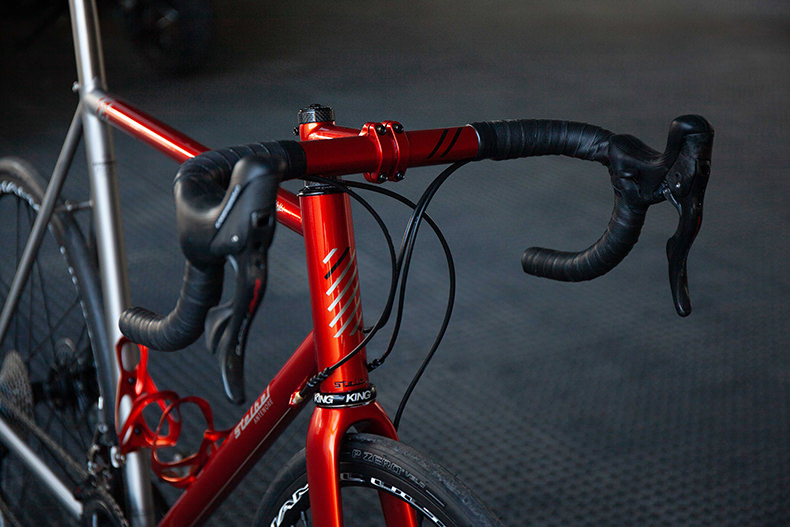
x=316 y=113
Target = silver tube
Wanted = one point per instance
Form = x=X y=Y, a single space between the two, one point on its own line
x=87 y=45
x=109 y=234
x=40 y=469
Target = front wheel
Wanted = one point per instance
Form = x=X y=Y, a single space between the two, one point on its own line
x=369 y=465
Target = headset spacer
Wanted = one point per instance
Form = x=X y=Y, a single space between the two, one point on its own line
x=346 y=399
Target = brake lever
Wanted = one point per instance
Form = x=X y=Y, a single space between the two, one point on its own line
x=227 y=325
x=691 y=142
x=243 y=234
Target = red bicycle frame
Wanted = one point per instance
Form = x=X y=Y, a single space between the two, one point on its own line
x=382 y=151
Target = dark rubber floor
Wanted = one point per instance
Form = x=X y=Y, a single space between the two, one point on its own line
x=560 y=404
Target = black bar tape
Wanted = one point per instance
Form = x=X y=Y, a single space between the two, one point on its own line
x=215 y=166
x=620 y=236
x=501 y=140
x=200 y=290
x=539 y=137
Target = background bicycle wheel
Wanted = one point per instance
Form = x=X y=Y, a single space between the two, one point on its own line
x=561 y=404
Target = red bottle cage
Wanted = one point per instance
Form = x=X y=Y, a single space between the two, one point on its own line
x=134 y=433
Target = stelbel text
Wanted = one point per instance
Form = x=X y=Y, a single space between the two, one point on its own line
x=256 y=411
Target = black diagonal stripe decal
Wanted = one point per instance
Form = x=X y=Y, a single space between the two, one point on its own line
x=452 y=143
x=436 y=148
x=337 y=263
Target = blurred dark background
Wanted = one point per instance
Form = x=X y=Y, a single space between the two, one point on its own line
x=560 y=404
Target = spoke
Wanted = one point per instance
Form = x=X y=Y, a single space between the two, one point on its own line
x=32 y=279
x=81 y=346
x=19 y=237
x=29 y=333
x=18 y=251
x=6 y=285
x=23 y=494
x=53 y=329
x=50 y=417
x=59 y=440
x=67 y=428
x=45 y=303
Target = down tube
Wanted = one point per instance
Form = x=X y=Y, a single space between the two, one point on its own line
x=269 y=415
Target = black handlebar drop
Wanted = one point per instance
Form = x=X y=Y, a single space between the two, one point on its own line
x=225 y=208
x=640 y=177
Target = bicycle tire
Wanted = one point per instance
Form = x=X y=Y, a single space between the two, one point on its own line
x=370 y=464
x=53 y=330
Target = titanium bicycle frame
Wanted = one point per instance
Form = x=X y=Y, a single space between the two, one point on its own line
x=382 y=151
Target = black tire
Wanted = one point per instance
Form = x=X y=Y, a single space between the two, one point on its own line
x=370 y=464
x=52 y=329
x=174 y=35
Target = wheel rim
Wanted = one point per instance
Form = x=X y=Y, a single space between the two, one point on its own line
x=361 y=507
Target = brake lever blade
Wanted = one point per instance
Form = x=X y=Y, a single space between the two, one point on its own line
x=678 y=247
x=692 y=138
x=228 y=324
